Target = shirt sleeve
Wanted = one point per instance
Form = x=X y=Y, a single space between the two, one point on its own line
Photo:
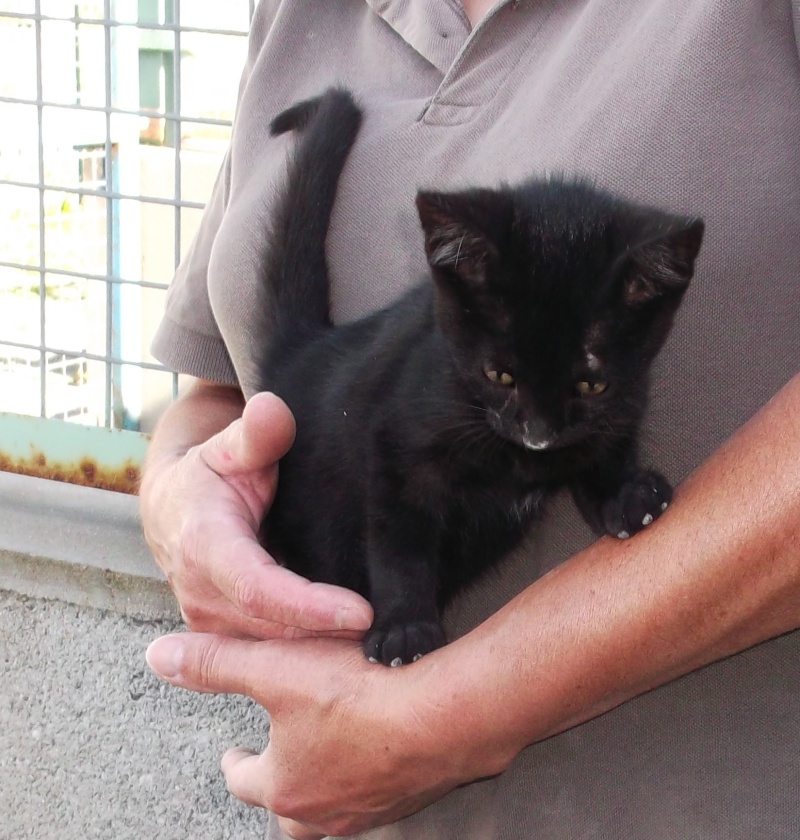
x=188 y=338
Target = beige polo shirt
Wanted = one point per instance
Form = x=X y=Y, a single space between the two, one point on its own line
x=693 y=105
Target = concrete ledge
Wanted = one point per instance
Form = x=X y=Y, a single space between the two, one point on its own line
x=79 y=545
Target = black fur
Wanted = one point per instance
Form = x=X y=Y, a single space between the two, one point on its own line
x=418 y=463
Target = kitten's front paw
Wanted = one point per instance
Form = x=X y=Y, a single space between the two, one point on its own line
x=641 y=500
x=398 y=644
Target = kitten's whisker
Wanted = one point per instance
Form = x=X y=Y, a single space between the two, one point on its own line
x=458 y=252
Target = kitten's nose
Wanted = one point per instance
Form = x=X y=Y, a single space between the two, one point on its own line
x=537 y=435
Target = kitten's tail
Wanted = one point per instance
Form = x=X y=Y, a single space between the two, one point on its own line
x=296 y=270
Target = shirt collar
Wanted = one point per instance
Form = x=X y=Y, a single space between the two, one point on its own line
x=436 y=29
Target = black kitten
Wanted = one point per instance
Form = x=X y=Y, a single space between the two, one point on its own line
x=430 y=433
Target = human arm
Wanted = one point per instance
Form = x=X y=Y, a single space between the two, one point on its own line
x=719 y=572
x=209 y=476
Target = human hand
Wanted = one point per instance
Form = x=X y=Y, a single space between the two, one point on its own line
x=201 y=512
x=352 y=745
x=355 y=745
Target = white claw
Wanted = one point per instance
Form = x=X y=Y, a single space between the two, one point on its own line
x=648 y=518
x=623 y=535
x=373 y=660
x=416 y=657
x=664 y=505
x=396 y=662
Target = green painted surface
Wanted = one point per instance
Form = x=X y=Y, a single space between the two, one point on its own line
x=98 y=457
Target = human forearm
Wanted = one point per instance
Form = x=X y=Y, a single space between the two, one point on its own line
x=719 y=573
x=202 y=412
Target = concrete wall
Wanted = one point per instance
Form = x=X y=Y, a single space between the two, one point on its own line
x=92 y=746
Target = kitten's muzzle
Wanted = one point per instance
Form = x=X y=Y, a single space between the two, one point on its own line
x=534 y=435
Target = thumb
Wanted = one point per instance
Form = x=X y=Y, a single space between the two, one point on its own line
x=259 y=439
x=273 y=672
x=206 y=662
x=221 y=665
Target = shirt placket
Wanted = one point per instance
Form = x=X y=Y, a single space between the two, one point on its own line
x=473 y=62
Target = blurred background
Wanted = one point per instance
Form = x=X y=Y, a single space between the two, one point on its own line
x=114 y=117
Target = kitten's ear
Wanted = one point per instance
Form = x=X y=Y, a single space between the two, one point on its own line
x=454 y=243
x=662 y=264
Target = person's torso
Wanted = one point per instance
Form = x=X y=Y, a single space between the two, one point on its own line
x=693 y=105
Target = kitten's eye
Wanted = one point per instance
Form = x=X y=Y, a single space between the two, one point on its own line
x=499 y=376
x=588 y=388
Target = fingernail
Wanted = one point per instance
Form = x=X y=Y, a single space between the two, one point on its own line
x=350 y=619
x=164 y=656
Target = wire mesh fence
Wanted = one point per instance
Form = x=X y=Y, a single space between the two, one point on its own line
x=115 y=117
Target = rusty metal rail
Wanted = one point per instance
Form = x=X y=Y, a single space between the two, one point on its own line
x=110 y=459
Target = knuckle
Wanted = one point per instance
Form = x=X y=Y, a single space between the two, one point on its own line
x=208 y=661
x=290 y=828
x=297 y=831
x=194 y=616
x=193 y=536
x=285 y=800
x=283 y=804
x=197 y=546
x=247 y=596
x=341 y=827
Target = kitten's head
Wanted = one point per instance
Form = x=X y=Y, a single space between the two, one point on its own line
x=555 y=297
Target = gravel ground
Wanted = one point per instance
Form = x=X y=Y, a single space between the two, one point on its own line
x=92 y=745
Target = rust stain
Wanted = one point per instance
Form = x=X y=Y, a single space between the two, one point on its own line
x=87 y=472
